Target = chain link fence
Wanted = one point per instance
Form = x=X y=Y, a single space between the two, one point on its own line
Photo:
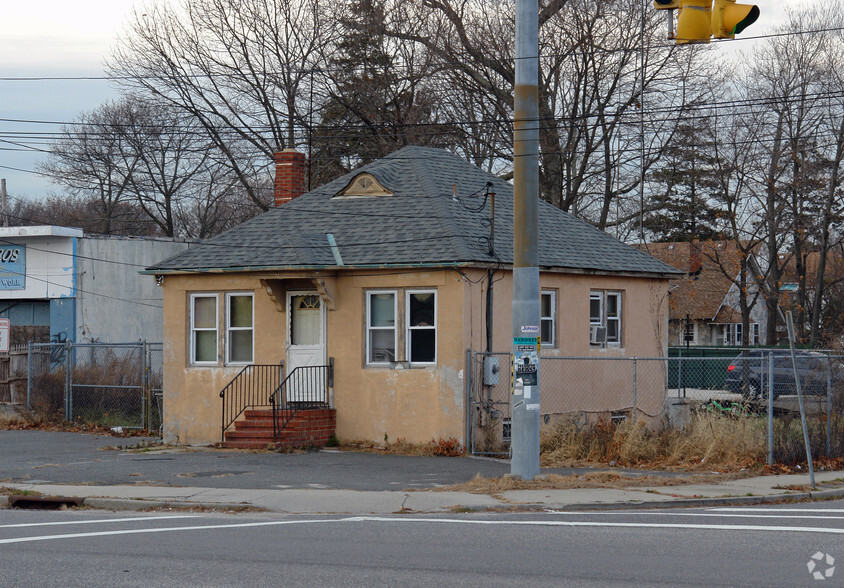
x=666 y=391
x=109 y=384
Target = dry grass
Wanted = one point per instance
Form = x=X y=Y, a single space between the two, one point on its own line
x=709 y=441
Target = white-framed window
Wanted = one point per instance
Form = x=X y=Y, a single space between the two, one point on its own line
x=381 y=331
x=548 y=318
x=203 y=329
x=421 y=313
x=240 y=330
x=730 y=334
x=605 y=313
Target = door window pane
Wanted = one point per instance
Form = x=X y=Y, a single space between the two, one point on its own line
x=305 y=320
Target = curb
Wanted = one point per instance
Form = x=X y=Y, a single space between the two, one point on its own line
x=676 y=503
x=141 y=504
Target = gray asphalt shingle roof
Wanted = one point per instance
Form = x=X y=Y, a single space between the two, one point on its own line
x=420 y=224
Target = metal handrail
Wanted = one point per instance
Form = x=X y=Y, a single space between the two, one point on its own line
x=250 y=388
x=304 y=387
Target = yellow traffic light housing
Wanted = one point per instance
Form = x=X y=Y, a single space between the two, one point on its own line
x=729 y=18
x=694 y=21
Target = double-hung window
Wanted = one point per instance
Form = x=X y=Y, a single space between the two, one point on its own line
x=605 y=317
x=381 y=333
x=239 y=327
x=203 y=329
x=421 y=310
x=548 y=318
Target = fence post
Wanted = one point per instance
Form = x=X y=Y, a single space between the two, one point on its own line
x=28 y=374
x=467 y=410
x=635 y=383
x=146 y=416
x=68 y=381
x=770 y=407
x=828 y=405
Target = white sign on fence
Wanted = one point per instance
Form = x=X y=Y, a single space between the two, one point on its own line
x=5 y=327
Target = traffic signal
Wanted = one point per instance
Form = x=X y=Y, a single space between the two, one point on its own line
x=729 y=18
x=693 y=21
x=698 y=20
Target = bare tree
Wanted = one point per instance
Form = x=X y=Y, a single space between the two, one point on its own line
x=245 y=71
x=792 y=78
x=590 y=102
x=90 y=161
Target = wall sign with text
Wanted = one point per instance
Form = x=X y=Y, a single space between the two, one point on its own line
x=12 y=267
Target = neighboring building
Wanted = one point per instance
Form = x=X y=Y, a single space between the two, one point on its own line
x=57 y=284
x=384 y=270
x=708 y=294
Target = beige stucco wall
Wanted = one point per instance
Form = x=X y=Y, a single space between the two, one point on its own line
x=601 y=379
x=417 y=404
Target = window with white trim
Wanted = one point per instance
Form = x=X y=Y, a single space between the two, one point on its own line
x=240 y=320
x=730 y=334
x=605 y=313
x=203 y=329
x=548 y=318
x=421 y=312
x=381 y=332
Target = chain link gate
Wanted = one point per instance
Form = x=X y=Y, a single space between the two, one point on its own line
x=489 y=404
x=615 y=388
x=109 y=384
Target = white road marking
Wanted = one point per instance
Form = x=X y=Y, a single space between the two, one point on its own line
x=696 y=514
x=748 y=509
x=88 y=522
x=423 y=520
x=611 y=524
x=158 y=530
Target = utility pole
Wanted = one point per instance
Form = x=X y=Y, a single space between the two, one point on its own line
x=4 y=203
x=525 y=311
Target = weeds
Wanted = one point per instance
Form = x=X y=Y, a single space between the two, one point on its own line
x=708 y=441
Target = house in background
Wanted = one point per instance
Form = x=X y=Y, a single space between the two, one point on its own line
x=708 y=295
x=58 y=284
x=383 y=275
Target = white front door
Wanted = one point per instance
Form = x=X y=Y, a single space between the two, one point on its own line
x=305 y=347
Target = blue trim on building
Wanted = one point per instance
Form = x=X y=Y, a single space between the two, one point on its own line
x=62 y=319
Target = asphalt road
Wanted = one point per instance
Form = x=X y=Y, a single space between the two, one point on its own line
x=767 y=546
x=77 y=458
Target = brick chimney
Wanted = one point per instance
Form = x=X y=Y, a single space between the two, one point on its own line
x=290 y=181
x=695 y=262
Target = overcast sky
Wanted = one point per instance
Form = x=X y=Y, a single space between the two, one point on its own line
x=72 y=38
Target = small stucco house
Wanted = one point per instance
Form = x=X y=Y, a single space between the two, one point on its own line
x=383 y=275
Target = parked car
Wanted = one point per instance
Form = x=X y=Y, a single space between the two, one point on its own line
x=747 y=373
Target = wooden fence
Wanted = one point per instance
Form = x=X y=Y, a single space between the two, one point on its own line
x=13 y=375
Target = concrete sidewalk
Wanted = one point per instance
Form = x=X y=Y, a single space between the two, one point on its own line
x=330 y=501
x=123 y=474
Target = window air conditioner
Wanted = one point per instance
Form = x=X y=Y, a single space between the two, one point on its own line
x=597 y=334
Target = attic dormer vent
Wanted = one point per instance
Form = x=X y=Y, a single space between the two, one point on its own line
x=364 y=185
